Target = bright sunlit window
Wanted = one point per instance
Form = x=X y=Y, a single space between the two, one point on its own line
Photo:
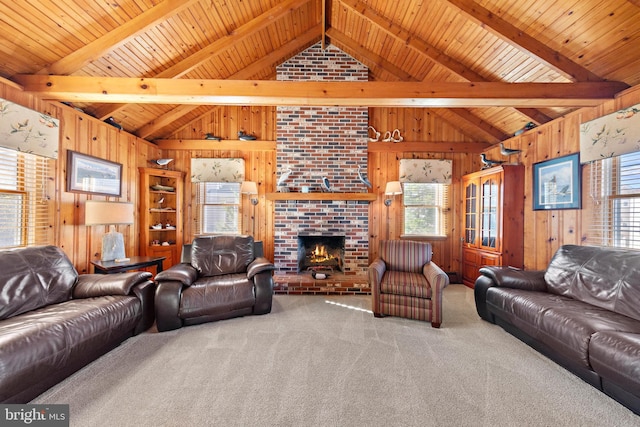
x=426 y=209
x=217 y=208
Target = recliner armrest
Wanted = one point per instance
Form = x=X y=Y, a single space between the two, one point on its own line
x=97 y=285
x=529 y=280
x=183 y=273
x=259 y=265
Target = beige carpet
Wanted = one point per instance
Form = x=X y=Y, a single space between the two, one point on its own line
x=326 y=361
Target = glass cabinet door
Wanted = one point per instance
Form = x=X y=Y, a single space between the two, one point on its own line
x=489 y=212
x=471 y=214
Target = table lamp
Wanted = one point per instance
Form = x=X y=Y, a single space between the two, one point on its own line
x=110 y=213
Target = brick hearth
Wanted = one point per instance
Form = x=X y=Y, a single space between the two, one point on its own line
x=335 y=284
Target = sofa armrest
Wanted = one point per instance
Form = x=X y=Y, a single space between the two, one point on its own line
x=183 y=273
x=528 y=280
x=375 y=272
x=167 y=305
x=259 y=265
x=97 y=285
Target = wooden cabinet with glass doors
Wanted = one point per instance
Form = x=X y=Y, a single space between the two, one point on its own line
x=493 y=220
x=161 y=214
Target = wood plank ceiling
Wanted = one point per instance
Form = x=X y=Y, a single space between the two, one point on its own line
x=428 y=41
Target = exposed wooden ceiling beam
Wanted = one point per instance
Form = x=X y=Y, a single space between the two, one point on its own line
x=117 y=37
x=264 y=92
x=425 y=49
x=217 y=47
x=524 y=41
x=295 y=45
x=488 y=132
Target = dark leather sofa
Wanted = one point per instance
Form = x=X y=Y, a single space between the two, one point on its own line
x=220 y=277
x=583 y=312
x=54 y=321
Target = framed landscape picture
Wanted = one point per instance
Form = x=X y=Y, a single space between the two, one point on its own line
x=93 y=175
x=556 y=183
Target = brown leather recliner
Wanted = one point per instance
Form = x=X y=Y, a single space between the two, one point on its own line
x=222 y=277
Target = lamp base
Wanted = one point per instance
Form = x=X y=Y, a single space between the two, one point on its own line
x=113 y=246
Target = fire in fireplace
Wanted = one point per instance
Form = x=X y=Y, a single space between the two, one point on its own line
x=320 y=253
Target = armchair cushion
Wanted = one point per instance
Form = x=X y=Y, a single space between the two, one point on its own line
x=408 y=284
x=98 y=285
x=211 y=295
x=218 y=255
x=405 y=255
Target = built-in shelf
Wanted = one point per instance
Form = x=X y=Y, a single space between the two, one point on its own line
x=368 y=197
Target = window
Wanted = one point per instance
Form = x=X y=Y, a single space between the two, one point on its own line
x=217 y=208
x=24 y=203
x=426 y=209
x=615 y=201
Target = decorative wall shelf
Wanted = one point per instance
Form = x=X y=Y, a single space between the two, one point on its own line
x=212 y=144
x=368 y=197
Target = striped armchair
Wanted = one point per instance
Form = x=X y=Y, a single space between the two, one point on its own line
x=406 y=283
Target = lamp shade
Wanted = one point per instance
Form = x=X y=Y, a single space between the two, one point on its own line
x=249 y=187
x=393 y=188
x=103 y=213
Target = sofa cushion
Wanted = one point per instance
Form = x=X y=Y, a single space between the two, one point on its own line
x=615 y=356
x=405 y=255
x=34 y=277
x=217 y=255
x=36 y=344
x=522 y=308
x=568 y=328
x=604 y=277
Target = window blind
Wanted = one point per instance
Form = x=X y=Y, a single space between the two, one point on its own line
x=24 y=201
x=217 y=208
x=426 y=209
x=614 y=197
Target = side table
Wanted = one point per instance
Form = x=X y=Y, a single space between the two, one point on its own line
x=134 y=263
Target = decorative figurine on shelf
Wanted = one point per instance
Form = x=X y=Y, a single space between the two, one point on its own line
x=326 y=185
x=376 y=135
x=212 y=137
x=395 y=136
x=508 y=151
x=283 y=177
x=488 y=162
x=363 y=178
x=161 y=162
x=245 y=137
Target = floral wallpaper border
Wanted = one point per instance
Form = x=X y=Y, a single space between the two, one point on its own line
x=217 y=170
x=611 y=135
x=435 y=171
x=28 y=131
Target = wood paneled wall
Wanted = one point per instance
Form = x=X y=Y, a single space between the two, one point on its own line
x=82 y=133
x=545 y=231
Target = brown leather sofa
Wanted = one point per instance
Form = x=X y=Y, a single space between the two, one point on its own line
x=220 y=277
x=54 y=321
x=583 y=312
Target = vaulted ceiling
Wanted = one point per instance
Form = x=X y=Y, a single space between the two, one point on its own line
x=434 y=44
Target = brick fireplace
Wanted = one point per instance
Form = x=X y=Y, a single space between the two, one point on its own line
x=315 y=142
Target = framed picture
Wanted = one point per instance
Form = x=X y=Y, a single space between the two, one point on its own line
x=88 y=174
x=556 y=183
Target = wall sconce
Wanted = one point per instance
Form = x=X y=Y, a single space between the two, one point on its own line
x=393 y=189
x=109 y=213
x=250 y=188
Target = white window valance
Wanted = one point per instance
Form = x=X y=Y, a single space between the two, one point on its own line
x=28 y=131
x=436 y=171
x=217 y=170
x=611 y=135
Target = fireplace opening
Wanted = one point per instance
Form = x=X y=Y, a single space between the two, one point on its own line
x=320 y=253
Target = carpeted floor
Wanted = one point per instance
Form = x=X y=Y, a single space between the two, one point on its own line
x=326 y=361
